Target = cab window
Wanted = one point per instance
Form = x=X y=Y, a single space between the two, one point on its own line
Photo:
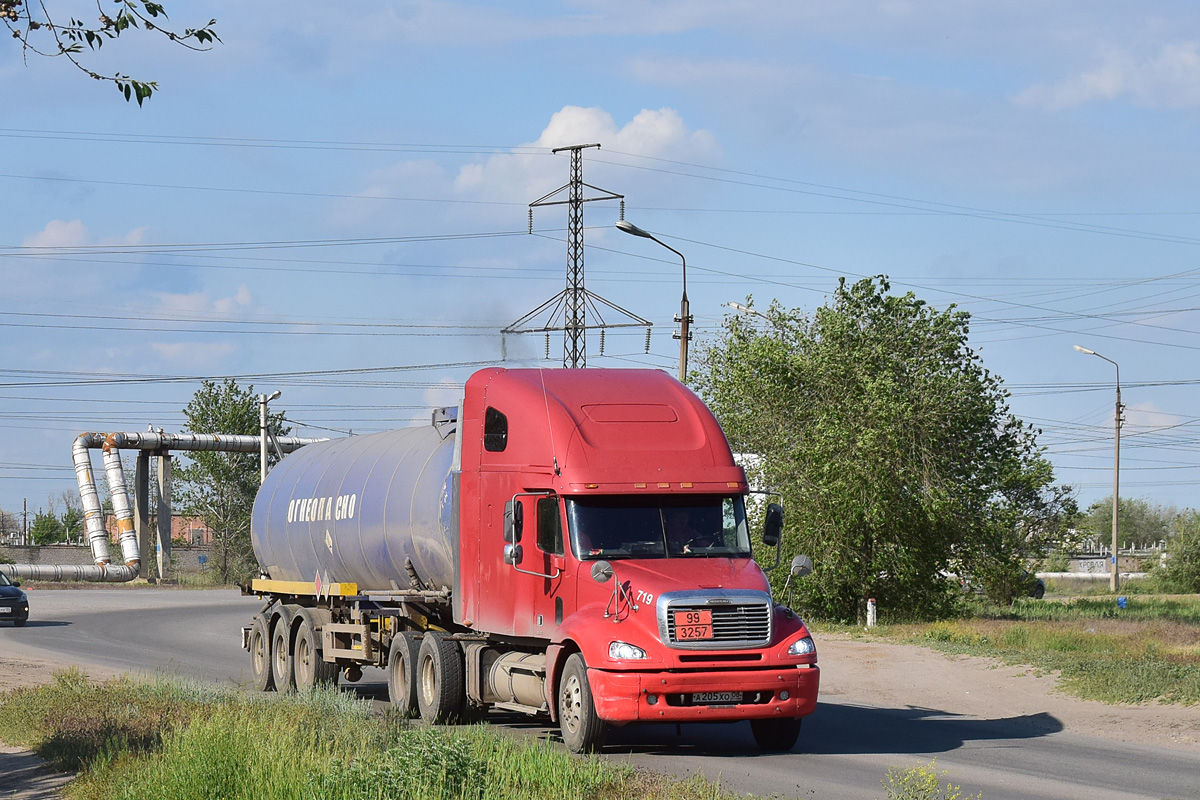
x=549 y=526
x=495 y=431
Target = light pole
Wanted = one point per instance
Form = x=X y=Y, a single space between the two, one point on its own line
x=262 y=432
x=1114 y=581
x=684 y=319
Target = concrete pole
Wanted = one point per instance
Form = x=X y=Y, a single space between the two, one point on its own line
x=141 y=508
x=1115 y=580
x=262 y=436
x=262 y=433
x=685 y=320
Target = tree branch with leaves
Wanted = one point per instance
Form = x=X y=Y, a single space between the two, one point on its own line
x=894 y=447
x=35 y=27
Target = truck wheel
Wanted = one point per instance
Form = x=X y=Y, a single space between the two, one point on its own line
x=775 y=735
x=281 y=654
x=311 y=670
x=440 y=686
x=582 y=730
x=260 y=656
x=402 y=672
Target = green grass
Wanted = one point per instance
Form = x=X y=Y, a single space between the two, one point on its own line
x=163 y=740
x=1148 y=651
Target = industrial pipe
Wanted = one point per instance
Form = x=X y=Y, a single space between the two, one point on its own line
x=93 y=513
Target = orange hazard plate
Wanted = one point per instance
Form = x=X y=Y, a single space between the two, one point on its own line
x=690 y=625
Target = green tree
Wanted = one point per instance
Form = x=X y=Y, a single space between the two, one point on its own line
x=1180 y=569
x=41 y=32
x=217 y=487
x=47 y=528
x=72 y=515
x=892 y=444
x=1138 y=522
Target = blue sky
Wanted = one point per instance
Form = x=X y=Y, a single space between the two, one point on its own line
x=337 y=190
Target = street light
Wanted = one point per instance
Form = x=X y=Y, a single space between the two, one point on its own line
x=1113 y=581
x=262 y=432
x=744 y=309
x=684 y=319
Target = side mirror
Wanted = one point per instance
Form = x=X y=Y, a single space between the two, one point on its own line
x=514 y=521
x=602 y=571
x=801 y=566
x=773 y=526
x=513 y=554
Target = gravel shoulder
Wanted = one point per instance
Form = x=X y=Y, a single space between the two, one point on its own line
x=853 y=671
x=900 y=675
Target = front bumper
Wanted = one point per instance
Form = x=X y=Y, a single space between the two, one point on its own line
x=784 y=692
x=17 y=610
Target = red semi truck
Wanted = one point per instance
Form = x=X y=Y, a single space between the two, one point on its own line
x=570 y=543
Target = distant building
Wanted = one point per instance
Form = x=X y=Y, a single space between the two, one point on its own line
x=189 y=530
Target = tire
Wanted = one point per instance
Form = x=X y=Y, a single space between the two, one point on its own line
x=310 y=669
x=402 y=672
x=19 y=622
x=582 y=729
x=260 y=656
x=1039 y=590
x=440 y=685
x=282 y=668
x=775 y=735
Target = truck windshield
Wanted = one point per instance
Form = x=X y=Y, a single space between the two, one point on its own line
x=657 y=526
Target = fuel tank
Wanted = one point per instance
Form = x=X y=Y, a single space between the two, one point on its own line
x=354 y=509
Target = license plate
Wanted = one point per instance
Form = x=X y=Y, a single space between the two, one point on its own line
x=716 y=697
x=5 y=610
x=692 y=625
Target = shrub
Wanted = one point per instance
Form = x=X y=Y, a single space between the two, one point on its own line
x=921 y=782
x=1181 y=569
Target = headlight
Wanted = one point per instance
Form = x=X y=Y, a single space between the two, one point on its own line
x=624 y=651
x=802 y=647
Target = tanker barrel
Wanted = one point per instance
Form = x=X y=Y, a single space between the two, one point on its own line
x=371 y=510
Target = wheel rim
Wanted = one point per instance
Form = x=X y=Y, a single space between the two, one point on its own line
x=303 y=660
x=572 y=703
x=428 y=681
x=262 y=660
x=399 y=669
x=280 y=653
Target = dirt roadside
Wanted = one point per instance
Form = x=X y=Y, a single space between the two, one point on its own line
x=853 y=670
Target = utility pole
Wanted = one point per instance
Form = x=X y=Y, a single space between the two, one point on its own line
x=263 y=432
x=1114 y=578
x=572 y=303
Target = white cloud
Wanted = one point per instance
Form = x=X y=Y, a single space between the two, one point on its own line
x=523 y=177
x=204 y=302
x=193 y=355
x=1169 y=78
x=446 y=392
x=497 y=190
x=59 y=233
x=1146 y=416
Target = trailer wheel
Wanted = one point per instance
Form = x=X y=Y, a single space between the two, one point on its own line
x=260 y=656
x=311 y=670
x=402 y=672
x=582 y=730
x=775 y=735
x=440 y=685
x=281 y=654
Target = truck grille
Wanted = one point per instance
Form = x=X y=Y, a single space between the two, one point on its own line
x=741 y=619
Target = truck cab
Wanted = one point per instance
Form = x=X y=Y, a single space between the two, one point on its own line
x=608 y=524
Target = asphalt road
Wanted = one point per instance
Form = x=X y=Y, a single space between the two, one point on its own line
x=845 y=749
